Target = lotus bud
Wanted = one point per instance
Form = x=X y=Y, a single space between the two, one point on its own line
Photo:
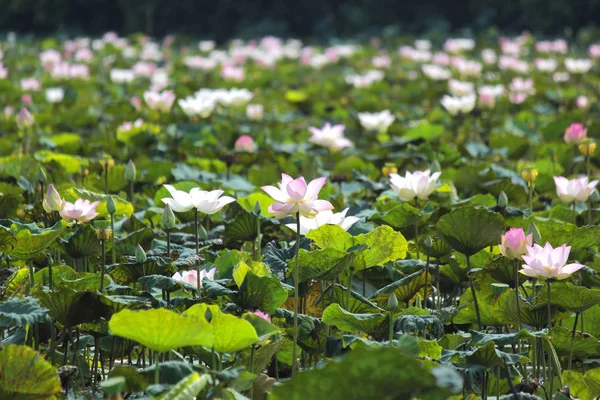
x=168 y=218
x=41 y=176
x=529 y=174
x=24 y=119
x=130 y=172
x=389 y=168
x=533 y=230
x=111 y=207
x=502 y=200
x=107 y=162
x=52 y=202
x=587 y=147
x=435 y=166
x=392 y=303
x=428 y=242
x=50 y=260
x=257 y=208
x=140 y=255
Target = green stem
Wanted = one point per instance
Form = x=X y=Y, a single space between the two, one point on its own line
x=197 y=247
x=573 y=339
x=516 y=274
x=106 y=177
x=417 y=228
x=473 y=293
x=426 y=279
x=349 y=289
x=391 y=333
x=103 y=250
x=550 y=372
x=589 y=202
x=251 y=370
x=296 y=296
x=437 y=284
x=112 y=239
x=156 y=368
x=530 y=184
x=50 y=283
x=258 y=241
x=168 y=244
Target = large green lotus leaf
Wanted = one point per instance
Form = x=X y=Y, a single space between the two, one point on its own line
x=536 y=314
x=26 y=375
x=241 y=270
x=161 y=329
x=591 y=318
x=123 y=207
x=187 y=388
x=264 y=329
x=19 y=282
x=83 y=242
x=134 y=380
x=332 y=237
x=241 y=229
x=69 y=163
x=170 y=372
x=130 y=272
x=356 y=304
x=321 y=264
x=70 y=307
x=400 y=216
x=471 y=229
x=371 y=373
x=261 y=292
x=31 y=240
x=502 y=270
x=424 y=131
x=487 y=302
x=583 y=387
x=165 y=283
x=21 y=312
x=490 y=357
x=500 y=339
x=585 y=346
x=336 y=316
x=263 y=355
x=560 y=232
x=230 y=333
x=406 y=288
x=60 y=274
x=248 y=203
x=571 y=297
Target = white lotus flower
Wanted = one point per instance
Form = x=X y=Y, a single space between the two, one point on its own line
x=197 y=106
x=55 y=95
x=417 y=184
x=578 y=65
x=574 y=189
x=326 y=217
x=204 y=201
x=459 y=105
x=376 y=122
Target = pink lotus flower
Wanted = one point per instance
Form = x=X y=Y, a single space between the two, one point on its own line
x=191 y=277
x=136 y=103
x=514 y=243
x=245 y=144
x=583 y=102
x=3 y=71
x=487 y=101
x=330 y=136
x=53 y=202
x=574 y=189
x=575 y=133
x=261 y=314
x=80 y=211
x=296 y=196
x=548 y=263
x=161 y=101
x=24 y=118
x=30 y=84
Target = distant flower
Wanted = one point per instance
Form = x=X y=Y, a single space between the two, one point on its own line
x=55 y=95
x=376 y=122
x=232 y=73
x=489 y=56
x=85 y=55
x=235 y=97
x=127 y=126
x=513 y=243
x=204 y=201
x=416 y=184
x=144 y=69
x=24 y=119
x=245 y=144
x=575 y=189
x=330 y=136
x=191 y=277
x=545 y=64
x=3 y=71
x=381 y=61
x=261 y=314
x=80 y=211
x=53 y=202
x=295 y=195
x=583 y=102
x=459 y=105
x=202 y=107
x=206 y=45
x=487 y=101
x=50 y=57
x=548 y=263
x=520 y=85
x=8 y=112
x=459 y=88
x=255 y=112
x=578 y=65
x=517 y=97
x=560 y=77
x=136 y=103
x=575 y=133
x=161 y=101
x=31 y=84
x=121 y=75
x=326 y=217
x=436 y=72
x=26 y=99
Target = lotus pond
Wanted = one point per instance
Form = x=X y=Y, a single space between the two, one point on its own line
x=394 y=219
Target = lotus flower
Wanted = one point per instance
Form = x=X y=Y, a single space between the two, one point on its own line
x=376 y=122
x=419 y=184
x=548 y=263
x=161 y=101
x=255 y=112
x=330 y=136
x=24 y=119
x=245 y=144
x=575 y=133
x=513 y=243
x=191 y=277
x=578 y=65
x=80 y=211
x=55 y=95
x=53 y=202
x=261 y=314
x=326 y=217
x=575 y=189
x=204 y=201
x=583 y=102
x=459 y=105
x=296 y=196
x=31 y=84
x=197 y=106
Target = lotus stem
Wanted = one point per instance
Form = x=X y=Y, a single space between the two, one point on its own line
x=573 y=339
x=474 y=294
x=426 y=278
x=156 y=367
x=437 y=284
x=197 y=246
x=550 y=372
x=103 y=250
x=252 y=348
x=296 y=296
x=516 y=275
x=349 y=288
x=112 y=238
x=31 y=273
x=417 y=227
x=168 y=243
x=391 y=333
x=258 y=241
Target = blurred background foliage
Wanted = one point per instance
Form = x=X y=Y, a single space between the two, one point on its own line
x=225 y=19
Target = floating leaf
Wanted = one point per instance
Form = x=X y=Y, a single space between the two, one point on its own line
x=21 y=312
x=261 y=292
x=336 y=316
x=31 y=240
